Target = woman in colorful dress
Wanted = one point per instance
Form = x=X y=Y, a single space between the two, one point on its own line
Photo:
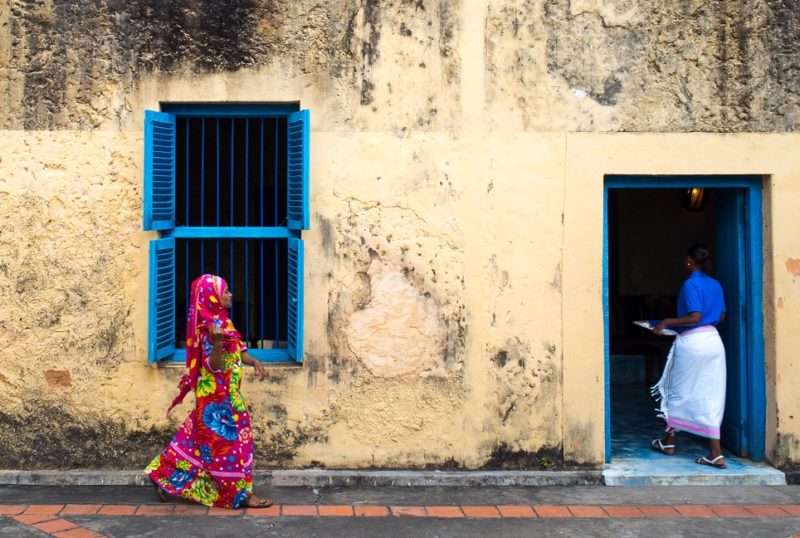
x=210 y=458
x=692 y=388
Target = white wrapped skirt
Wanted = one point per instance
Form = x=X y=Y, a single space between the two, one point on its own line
x=692 y=389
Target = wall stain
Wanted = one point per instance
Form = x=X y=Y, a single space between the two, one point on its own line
x=581 y=443
x=786 y=454
x=712 y=66
x=369 y=48
x=47 y=436
x=74 y=54
x=556 y=282
x=326 y=234
x=449 y=464
x=504 y=457
x=279 y=438
x=500 y=358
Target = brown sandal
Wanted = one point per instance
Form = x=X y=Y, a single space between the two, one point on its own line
x=160 y=493
x=263 y=503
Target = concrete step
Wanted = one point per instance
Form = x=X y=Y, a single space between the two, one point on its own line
x=656 y=469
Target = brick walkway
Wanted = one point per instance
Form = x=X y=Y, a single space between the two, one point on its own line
x=54 y=519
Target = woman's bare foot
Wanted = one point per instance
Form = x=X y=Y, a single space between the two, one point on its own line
x=254 y=501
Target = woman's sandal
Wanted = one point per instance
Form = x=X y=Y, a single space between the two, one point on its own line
x=658 y=446
x=713 y=462
x=263 y=503
x=160 y=493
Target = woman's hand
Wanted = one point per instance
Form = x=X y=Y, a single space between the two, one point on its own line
x=216 y=334
x=692 y=318
x=260 y=371
x=215 y=359
x=251 y=361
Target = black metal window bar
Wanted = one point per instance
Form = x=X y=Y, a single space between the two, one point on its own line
x=231 y=172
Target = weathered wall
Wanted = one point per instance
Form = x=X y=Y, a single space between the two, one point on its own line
x=596 y=65
x=455 y=245
x=587 y=65
x=69 y=277
x=458 y=374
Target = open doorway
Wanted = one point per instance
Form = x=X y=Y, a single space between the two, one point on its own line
x=649 y=231
x=650 y=222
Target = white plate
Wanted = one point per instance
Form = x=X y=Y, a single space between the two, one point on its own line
x=647 y=325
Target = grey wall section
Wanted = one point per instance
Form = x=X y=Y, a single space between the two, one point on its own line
x=695 y=65
x=64 y=52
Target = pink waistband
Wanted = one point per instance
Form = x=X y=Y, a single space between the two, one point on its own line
x=702 y=328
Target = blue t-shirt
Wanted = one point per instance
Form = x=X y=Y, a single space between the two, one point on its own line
x=701 y=293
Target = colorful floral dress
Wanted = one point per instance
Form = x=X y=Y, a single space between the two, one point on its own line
x=210 y=459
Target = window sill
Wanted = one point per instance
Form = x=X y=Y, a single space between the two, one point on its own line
x=289 y=365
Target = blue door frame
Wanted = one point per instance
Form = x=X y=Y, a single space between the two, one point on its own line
x=754 y=351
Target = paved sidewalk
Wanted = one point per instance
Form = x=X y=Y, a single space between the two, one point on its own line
x=117 y=511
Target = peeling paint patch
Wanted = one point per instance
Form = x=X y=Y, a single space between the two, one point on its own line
x=793 y=266
x=396 y=307
x=58 y=378
x=399 y=330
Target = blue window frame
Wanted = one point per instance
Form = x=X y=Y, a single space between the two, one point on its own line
x=227 y=188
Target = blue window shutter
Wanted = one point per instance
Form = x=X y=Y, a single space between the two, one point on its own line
x=161 y=316
x=295 y=317
x=159 y=170
x=297 y=170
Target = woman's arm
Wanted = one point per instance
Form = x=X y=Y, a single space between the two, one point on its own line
x=250 y=361
x=692 y=318
x=215 y=359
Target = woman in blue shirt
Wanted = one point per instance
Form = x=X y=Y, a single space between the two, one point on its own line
x=692 y=388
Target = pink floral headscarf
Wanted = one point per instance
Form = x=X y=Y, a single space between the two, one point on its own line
x=205 y=311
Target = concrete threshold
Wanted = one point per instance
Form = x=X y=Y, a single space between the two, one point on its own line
x=680 y=470
x=322 y=478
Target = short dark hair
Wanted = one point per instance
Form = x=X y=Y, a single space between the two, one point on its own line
x=701 y=255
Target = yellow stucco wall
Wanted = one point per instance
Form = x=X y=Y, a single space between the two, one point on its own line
x=462 y=234
x=456 y=212
x=515 y=354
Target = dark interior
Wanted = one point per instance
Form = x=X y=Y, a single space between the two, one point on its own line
x=649 y=232
x=648 y=235
x=232 y=172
